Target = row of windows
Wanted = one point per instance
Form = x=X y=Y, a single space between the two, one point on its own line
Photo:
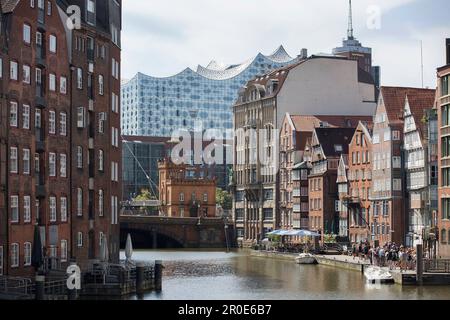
x=38 y=77
x=27 y=249
x=14 y=119
x=182 y=197
x=27 y=38
x=15 y=209
x=26 y=163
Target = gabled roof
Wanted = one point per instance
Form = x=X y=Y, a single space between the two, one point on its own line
x=394 y=100
x=419 y=103
x=8 y=6
x=367 y=128
x=329 y=138
x=309 y=123
x=342 y=170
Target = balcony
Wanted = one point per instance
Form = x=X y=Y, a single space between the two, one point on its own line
x=40 y=100
x=41 y=56
x=40 y=140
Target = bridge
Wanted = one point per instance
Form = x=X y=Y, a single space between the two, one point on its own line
x=155 y=232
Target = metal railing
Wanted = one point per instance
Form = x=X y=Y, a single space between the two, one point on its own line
x=16 y=286
x=437 y=266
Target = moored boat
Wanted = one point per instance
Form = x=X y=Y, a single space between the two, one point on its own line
x=305 y=258
x=377 y=275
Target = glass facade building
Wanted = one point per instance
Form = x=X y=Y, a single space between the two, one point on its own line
x=191 y=100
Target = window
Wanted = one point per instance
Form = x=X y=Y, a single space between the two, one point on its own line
x=397 y=184
x=387 y=135
x=63 y=165
x=26 y=161
x=32 y=3
x=1 y=74
x=26 y=33
x=101 y=203
x=101 y=85
x=115 y=137
x=114 y=102
x=268 y=194
x=396 y=135
x=181 y=196
x=14 y=205
x=52 y=122
x=90 y=8
x=52 y=164
x=63 y=85
x=49 y=8
x=101 y=166
x=63 y=124
x=26 y=74
x=52 y=82
x=80 y=117
x=63 y=204
x=114 y=210
x=114 y=171
x=445 y=177
x=268 y=214
x=80 y=78
x=27 y=209
x=376 y=139
x=115 y=35
x=446 y=209
x=1 y=260
x=13 y=70
x=52 y=43
x=101 y=122
x=396 y=162
x=80 y=157
x=14 y=255
x=13 y=114
x=445 y=86
x=52 y=206
x=80 y=240
x=115 y=68
x=63 y=250
x=79 y=202
x=13 y=160
x=26 y=116
x=205 y=197
x=38 y=76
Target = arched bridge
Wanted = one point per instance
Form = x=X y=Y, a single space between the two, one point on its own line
x=149 y=232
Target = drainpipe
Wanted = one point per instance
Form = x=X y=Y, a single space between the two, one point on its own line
x=72 y=242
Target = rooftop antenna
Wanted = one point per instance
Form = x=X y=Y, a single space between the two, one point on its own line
x=421 y=61
x=350 y=21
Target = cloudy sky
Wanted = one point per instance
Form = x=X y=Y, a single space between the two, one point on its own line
x=163 y=37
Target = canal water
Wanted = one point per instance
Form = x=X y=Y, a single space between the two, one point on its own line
x=213 y=275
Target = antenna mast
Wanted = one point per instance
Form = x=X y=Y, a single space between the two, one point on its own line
x=421 y=61
x=350 y=21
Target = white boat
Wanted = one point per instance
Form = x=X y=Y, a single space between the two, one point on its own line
x=377 y=275
x=306 y=258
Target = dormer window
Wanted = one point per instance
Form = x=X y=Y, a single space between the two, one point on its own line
x=338 y=148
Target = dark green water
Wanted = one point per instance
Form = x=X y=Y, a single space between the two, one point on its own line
x=213 y=275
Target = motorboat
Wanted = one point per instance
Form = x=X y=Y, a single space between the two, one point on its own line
x=377 y=275
x=305 y=258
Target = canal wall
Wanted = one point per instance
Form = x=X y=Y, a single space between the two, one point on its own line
x=342 y=262
x=274 y=255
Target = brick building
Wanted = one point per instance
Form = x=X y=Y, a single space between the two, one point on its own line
x=360 y=182
x=388 y=217
x=294 y=168
x=328 y=145
x=58 y=134
x=186 y=191
x=443 y=108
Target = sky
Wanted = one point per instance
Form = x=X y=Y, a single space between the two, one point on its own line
x=163 y=37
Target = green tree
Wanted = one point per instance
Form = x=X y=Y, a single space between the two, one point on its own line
x=224 y=199
x=145 y=195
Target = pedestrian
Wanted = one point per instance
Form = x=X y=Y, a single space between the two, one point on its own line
x=381 y=255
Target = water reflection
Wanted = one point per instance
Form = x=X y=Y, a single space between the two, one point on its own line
x=212 y=275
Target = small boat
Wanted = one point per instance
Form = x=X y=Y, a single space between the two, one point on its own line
x=377 y=275
x=305 y=258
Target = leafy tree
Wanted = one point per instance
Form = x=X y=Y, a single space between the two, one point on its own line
x=224 y=199
x=145 y=195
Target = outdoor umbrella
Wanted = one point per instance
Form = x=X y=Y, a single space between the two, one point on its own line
x=129 y=248
x=37 y=257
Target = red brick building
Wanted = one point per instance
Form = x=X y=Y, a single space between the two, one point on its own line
x=360 y=182
x=388 y=217
x=443 y=107
x=186 y=191
x=50 y=113
x=328 y=145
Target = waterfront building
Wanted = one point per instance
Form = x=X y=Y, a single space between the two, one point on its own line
x=443 y=109
x=416 y=165
x=294 y=168
x=343 y=186
x=186 y=191
x=327 y=147
x=353 y=49
x=55 y=172
x=356 y=202
x=192 y=100
x=388 y=219
x=263 y=104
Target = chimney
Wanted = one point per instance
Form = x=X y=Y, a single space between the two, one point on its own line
x=448 y=50
x=304 y=53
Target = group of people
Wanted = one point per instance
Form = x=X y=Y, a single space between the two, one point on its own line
x=390 y=255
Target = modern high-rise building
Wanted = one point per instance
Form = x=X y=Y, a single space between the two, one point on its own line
x=59 y=134
x=192 y=100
